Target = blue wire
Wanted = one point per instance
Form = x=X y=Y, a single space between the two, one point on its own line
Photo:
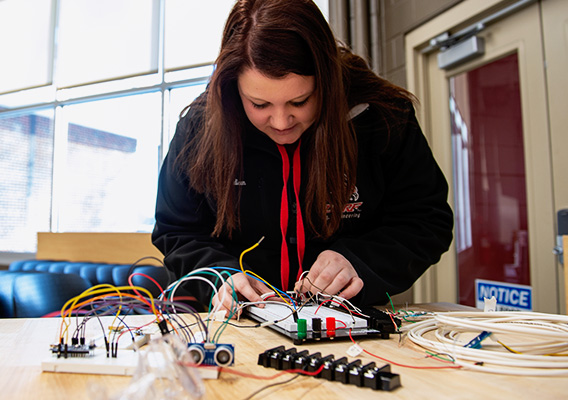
x=252 y=276
x=235 y=270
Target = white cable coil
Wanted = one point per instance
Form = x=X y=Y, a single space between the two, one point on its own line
x=532 y=336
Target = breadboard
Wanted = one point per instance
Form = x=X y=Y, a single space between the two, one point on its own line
x=99 y=364
x=287 y=325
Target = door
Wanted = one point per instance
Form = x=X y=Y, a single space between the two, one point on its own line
x=489 y=179
x=488 y=119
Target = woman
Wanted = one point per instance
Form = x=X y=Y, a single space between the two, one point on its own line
x=296 y=140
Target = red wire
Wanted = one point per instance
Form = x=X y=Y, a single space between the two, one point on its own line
x=336 y=302
x=134 y=329
x=138 y=293
x=145 y=276
x=381 y=358
x=288 y=371
x=403 y=365
x=344 y=324
x=394 y=323
x=301 y=371
x=180 y=298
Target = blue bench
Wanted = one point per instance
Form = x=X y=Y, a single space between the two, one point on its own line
x=34 y=288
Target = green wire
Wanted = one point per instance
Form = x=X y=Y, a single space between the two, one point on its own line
x=449 y=358
x=213 y=294
x=392 y=305
x=220 y=330
x=225 y=323
x=400 y=311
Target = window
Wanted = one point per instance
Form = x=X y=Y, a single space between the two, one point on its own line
x=108 y=174
x=208 y=29
x=26 y=157
x=89 y=102
x=106 y=39
x=26 y=62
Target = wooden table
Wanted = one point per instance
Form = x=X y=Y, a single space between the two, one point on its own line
x=24 y=344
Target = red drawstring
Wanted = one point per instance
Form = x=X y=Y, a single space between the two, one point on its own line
x=284 y=262
x=300 y=235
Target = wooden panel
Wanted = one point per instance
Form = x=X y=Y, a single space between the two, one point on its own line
x=113 y=248
x=555 y=33
x=25 y=344
x=565 y=247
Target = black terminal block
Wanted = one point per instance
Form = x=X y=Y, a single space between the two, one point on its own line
x=264 y=358
x=302 y=360
x=382 y=322
x=276 y=358
x=290 y=359
x=316 y=363
x=340 y=370
x=328 y=371
x=378 y=321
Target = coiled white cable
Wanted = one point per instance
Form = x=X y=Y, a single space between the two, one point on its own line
x=534 y=344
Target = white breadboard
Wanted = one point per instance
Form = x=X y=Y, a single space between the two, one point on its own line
x=99 y=364
x=287 y=326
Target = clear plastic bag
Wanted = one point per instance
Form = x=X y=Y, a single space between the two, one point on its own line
x=161 y=374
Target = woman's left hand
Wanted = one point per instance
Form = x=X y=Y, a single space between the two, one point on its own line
x=331 y=274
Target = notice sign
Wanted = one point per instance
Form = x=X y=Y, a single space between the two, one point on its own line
x=510 y=296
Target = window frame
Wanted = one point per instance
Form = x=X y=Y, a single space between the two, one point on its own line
x=55 y=96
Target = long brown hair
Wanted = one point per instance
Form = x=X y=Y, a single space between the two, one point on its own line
x=279 y=37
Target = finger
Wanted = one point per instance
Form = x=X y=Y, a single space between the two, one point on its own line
x=222 y=300
x=325 y=270
x=332 y=286
x=304 y=285
x=330 y=280
x=226 y=294
x=301 y=286
x=259 y=286
x=352 y=289
x=251 y=293
x=315 y=281
x=264 y=292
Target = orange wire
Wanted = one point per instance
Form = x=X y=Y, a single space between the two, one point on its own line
x=69 y=311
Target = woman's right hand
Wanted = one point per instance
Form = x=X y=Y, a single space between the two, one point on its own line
x=246 y=288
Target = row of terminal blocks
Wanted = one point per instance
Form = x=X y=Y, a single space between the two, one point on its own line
x=339 y=370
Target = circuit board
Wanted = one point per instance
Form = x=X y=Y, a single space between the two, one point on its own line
x=321 y=322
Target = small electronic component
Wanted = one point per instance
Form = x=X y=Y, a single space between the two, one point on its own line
x=212 y=354
x=113 y=328
x=475 y=343
x=341 y=370
x=72 y=350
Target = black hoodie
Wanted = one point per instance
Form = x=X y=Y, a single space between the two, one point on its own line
x=397 y=222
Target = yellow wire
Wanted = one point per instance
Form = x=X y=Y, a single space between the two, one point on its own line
x=518 y=352
x=252 y=273
x=254 y=246
x=508 y=348
x=100 y=289
x=157 y=313
x=73 y=303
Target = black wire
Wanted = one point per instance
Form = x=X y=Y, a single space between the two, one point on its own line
x=242 y=326
x=137 y=263
x=269 y=386
x=172 y=307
